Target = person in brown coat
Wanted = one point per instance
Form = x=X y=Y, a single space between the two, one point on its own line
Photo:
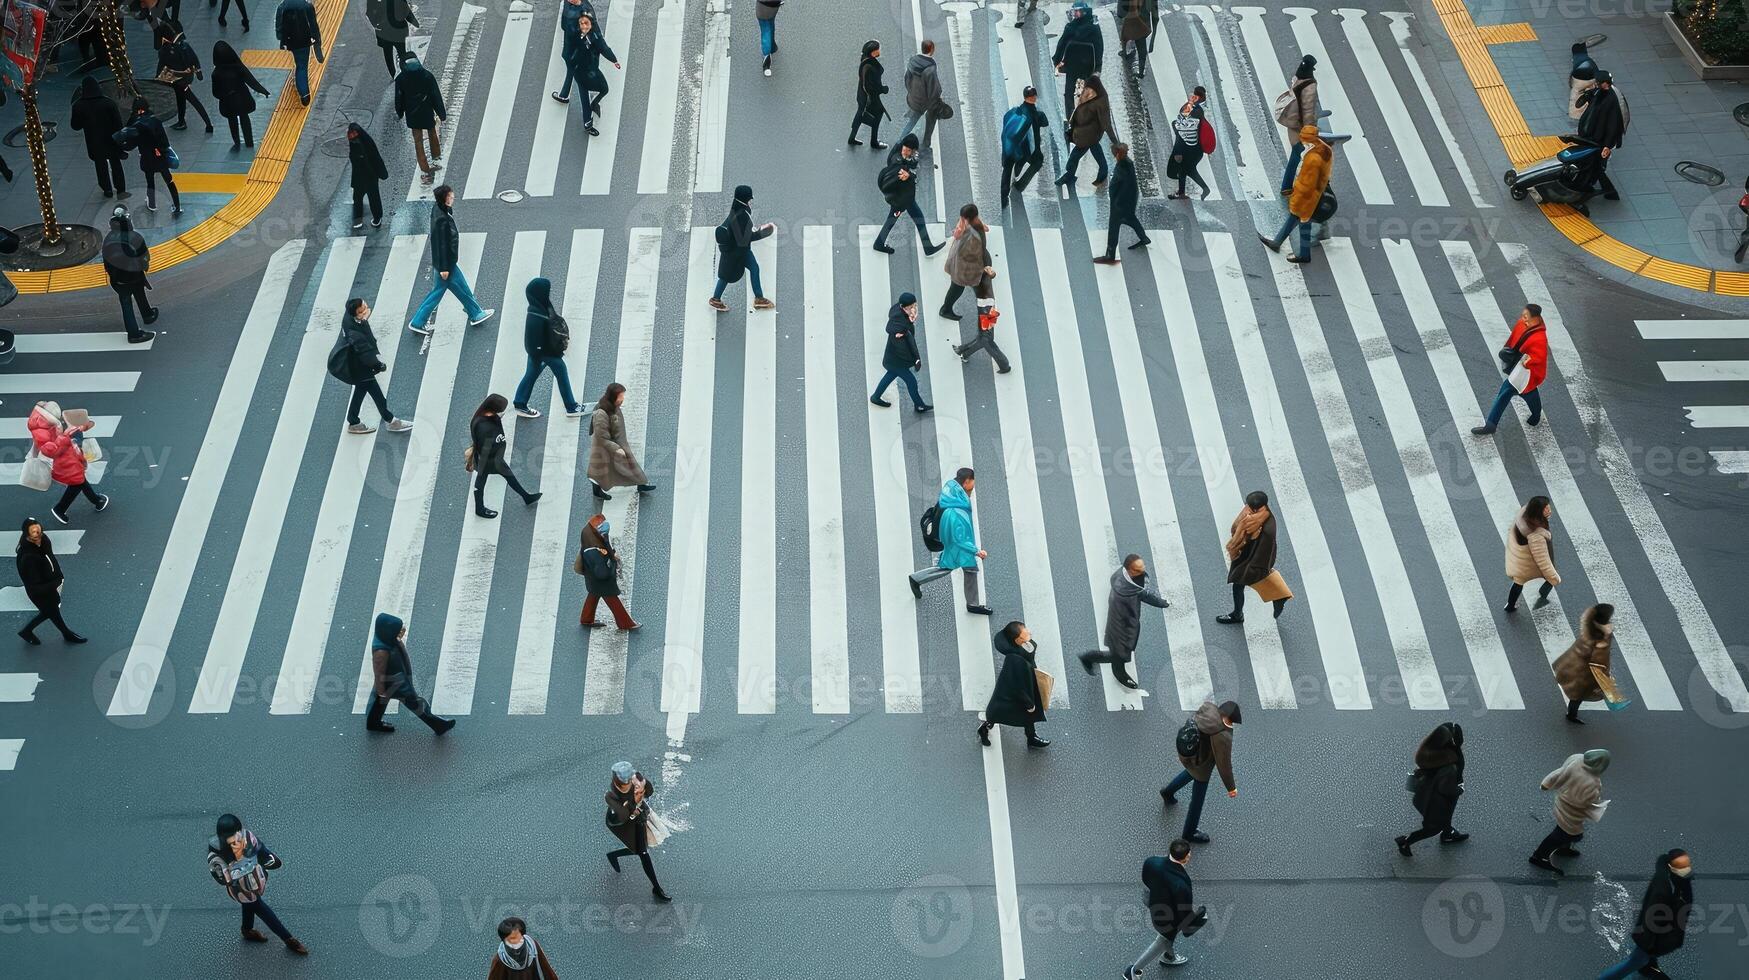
x=1530 y=553
x=1090 y=120
x=1205 y=743
x=611 y=463
x=1251 y=551
x=968 y=262
x=1576 y=669
x=519 y=957
x=628 y=816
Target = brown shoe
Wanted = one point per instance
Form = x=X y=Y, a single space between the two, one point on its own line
x=719 y=305
x=297 y=947
x=761 y=303
x=254 y=936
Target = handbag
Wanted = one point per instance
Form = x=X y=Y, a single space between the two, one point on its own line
x=468 y=459
x=1046 y=684
x=657 y=829
x=1326 y=208
x=93 y=452
x=174 y=160
x=577 y=563
x=36 y=473
x=1611 y=694
x=1412 y=782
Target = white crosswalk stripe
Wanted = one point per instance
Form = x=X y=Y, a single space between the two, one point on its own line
x=500 y=101
x=665 y=71
x=828 y=612
x=757 y=660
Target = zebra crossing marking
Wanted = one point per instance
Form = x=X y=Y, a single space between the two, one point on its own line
x=494 y=132
x=664 y=98
x=828 y=607
x=756 y=664
x=598 y=162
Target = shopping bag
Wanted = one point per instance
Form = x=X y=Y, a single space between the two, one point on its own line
x=1046 y=683
x=93 y=452
x=657 y=829
x=36 y=473
x=1612 y=695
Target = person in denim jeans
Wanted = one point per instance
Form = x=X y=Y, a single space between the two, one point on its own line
x=240 y=861
x=445 y=268
x=546 y=349
x=1214 y=727
x=1308 y=190
x=767 y=10
x=295 y=24
x=1662 y=924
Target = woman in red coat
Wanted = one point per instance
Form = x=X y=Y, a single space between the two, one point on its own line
x=55 y=440
x=1531 y=340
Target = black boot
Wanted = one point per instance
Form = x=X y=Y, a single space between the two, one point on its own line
x=1087 y=660
x=600 y=494
x=984 y=733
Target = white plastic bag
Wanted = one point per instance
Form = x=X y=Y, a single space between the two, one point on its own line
x=36 y=473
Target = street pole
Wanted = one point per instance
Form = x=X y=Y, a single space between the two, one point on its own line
x=39 y=165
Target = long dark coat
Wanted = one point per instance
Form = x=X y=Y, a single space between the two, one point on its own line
x=99 y=118
x=232 y=82
x=1662 y=924
x=1257 y=559
x=154 y=144
x=600 y=572
x=368 y=167
x=418 y=100
x=901 y=353
x=40 y=572
x=1124 y=193
x=732 y=254
x=630 y=825
x=487 y=432
x=1440 y=762
x=869 y=89
x=1016 y=688
x=1123 y=613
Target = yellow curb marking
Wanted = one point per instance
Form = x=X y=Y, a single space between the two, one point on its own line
x=269 y=58
x=1505 y=33
x=191 y=183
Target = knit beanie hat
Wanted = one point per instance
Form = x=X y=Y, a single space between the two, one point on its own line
x=1306 y=65
x=907 y=299
x=228 y=826
x=1597 y=760
x=910 y=142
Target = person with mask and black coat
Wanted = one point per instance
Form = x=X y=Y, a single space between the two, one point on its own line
x=356 y=361
x=153 y=145
x=1125 y=195
x=40 y=573
x=1123 y=620
x=901 y=358
x=1604 y=124
x=487 y=433
x=99 y=118
x=232 y=81
x=126 y=259
x=392 y=670
x=419 y=102
x=869 y=89
x=368 y=173
x=180 y=65
x=735 y=238
x=545 y=336
x=1080 y=49
x=1439 y=781
x=598 y=563
x=1016 y=700
x=1662 y=924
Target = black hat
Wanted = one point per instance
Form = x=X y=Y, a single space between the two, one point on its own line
x=910 y=141
x=1029 y=92
x=907 y=299
x=743 y=193
x=1603 y=76
x=1230 y=711
x=229 y=824
x=1306 y=65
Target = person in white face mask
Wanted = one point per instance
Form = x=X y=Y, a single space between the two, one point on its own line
x=1663 y=921
x=1017 y=699
x=519 y=957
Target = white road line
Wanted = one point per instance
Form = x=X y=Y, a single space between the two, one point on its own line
x=1258 y=183
x=108 y=342
x=470 y=588
x=604 y=673
x=1265 y=63
x=18 y=688
x=756 y=663
x=1405 y=137
x=1731 y=461
x=13 y=599
x=961 y=30
x=598 y=160
x=1002 y=861
x=1400 y=33
x=1717 y=416
x=1169 y=81
x=1469 y=599
x=1275 y=686
x=550 y=124
x=1660 y=330
x=828 y=613
x=1357 y=153
x=235 y=626
x=66 y=542
x=934 y=156
x=664 y=99
x=139 y=675
x=9 y=749
x=902 y=683
x=500 y=103
x=58 y=385
x=458 y=71
x=103 y=427
x=713 y=105
x=1292 y=499
x=549 y=556
x=1684 y=371
x=683 y=654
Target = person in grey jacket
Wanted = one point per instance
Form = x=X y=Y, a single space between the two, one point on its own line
x=1123 y=620
x=922 y=93
x=446 y=272
x=390 y=19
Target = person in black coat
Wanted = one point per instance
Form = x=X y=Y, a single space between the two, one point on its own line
x=1439 y=774
x=232 y=82
x=898 y=184
x=1602 y=123
x=419 y=101
x=901 y=358
x=1187 y=152
x=1080 y=50
x=585 y=67
x=735 y=238
x=356 y=361
x=126 y=260
x=178 y=62
x=1125 y=194
x=1662 y=924
x=153 y=144
x=40 y=572
x=1016 y=700
x=392 y=672
x=599 y=564
x=225 y=8
x=298 y=29
x=487 y=432
x=99 y=118
x=869 y=89
x=1170 y=908
x=368 y=173
x=545 y=337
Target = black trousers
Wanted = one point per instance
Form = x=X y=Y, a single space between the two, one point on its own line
x=225 y=8
x=1111 y=234
x=152 y=188
x=1557 y=838
x=184 y=97
x=369 y=387
x=420 y=707
x=1119 y=661
x=242 y=130
x=874 y=128
x=480 y=474
x=137 y=296
x=109 y=176
x=49 y=614
x=374 y=193
x=71 y=493
x=1517 y=590
x=1028 y=167
x=394 y=53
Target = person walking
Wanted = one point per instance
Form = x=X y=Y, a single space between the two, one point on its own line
x=240 y=861
x=901 y=358
x=1204 y=744
x=487 y=434
x=1192 y=137
x=355 y=360
x=1251 y=557
x=180 y=66
x=869 y=89
x=1438 y=781
x=1170 y=908
x=1603 y=123
x=611 y=462
x=1135 y=23
x=232 y=82
x=1080 y=50
x=1090 y=120
x=153 y=145
x=519 y=957
x=598 y=563
x=446 y=270
x=1583 y=669
x=1662 y=925
x=735 y=238
x=1016 y=700
x=545 y=338
x=767 y=12
x=923 y=99
x=39 y=571
x=968 y=263
x=898 y=184
x=298 y=31
x=959 y=546
x=62 y=445
x=1525 y=362
x=1021 y=9
x=1578 y=787
x=419 y=102
x=1296 y=109
x=368 y=173
x=99 y=118
x=126 y=259
x=1530 y=553
x=1309 y=184
x=1125 y=195
x=225 y=8
x=392 y=672
x=1123 y=620
x=571 y=16
x=1023 y=140
x=586 y=68
x=628 y=817
x=390 y=19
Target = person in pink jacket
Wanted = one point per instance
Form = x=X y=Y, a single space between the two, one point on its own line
x=60 y=444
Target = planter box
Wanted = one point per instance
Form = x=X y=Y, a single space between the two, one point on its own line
x=1706 y=72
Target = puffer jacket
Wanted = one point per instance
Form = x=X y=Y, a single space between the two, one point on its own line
x=67 y=460
x=1533 y=560
x=1310 y=182
x=959 y=545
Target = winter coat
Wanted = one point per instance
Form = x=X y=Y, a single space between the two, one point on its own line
x=1186 y=153
x=869 y=89
x=38 y=570
x=1592 y=646
x=446 y=238
x=1533 y=560
x=1216 y=750
x=126 y=258
x=1662 y=924
x=1439 y=761
x=767 y=9
x=390 y=664
x=600 y=572
x=571 y=19
x=1578 y=794
x=368 y=167
x=1124 y=192
x=586 y=60
x=1309 y=183
x=244 y=878
x=901 y=353
x=1136 y=19
x=899 y=194
x=390 y=18
x=959 y=546
x=1170 y=895
x=152 y=143
x=611 y=463
x=231 y=85
x=1081 y=48
x=535 y=335
x=628 y=821
x=967 y=257
x=738 y=229
x=922 y=83
x=363 y=359
x=487 y=435
x=1039 y=122
x=418 y=100
x=1303 y=110
x=179 y=56
x=1123 y=612
x=1534 y=345
x=537 y=969
x=66 y=457
x=1091 y=120
x=295 y=24
x=1016 y=699
x=1256 y=559
x=1602 y=121
x=99 y=118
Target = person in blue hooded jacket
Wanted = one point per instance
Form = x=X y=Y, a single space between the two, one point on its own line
x=393 y=670
x=959 y=545
x=544 y=337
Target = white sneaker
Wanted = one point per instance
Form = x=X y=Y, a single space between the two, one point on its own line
x=574 y=413
x=1178 y=959
x=360 y=429
x=528 y=413
x=424 y=331
x=400 y=425
x=482 y=318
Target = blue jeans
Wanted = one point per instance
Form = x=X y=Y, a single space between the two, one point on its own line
x=1293 y=165
x=1636 y=959
x=259 y=908
x=752 y=273
x=567 y=53
x=561 y=377
x=1075 y=156
x=457 y=284
x=1532 y=398
x=1305 y=249
x=301 y=59
x=768 y=36
x=1199 y=790
x=900 y=374
x=916 y=214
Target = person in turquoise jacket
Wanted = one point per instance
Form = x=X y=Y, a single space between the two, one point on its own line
x=959 y=544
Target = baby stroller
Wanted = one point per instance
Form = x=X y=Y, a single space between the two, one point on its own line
x=1565 y=178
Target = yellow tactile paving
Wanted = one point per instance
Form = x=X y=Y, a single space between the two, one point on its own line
x=1678 y=274
x=1617 y=253
x=268 y=58
x=196 y=183
x=1731 y=283
x=1505 y=33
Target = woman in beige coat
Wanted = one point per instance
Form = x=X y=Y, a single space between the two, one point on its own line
x=1530 y=553
x=1577 y=669
x=1578 y=787
x=611 y=463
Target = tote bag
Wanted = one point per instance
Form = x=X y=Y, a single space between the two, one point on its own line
x=36 y=473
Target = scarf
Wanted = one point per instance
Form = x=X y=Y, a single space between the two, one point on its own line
x=1246 y=527
x=522 y=957
x=1523 y=527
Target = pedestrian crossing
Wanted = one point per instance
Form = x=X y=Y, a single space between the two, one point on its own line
x=1139 y=409
x=1701 y=375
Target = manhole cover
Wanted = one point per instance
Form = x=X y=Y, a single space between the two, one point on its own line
x=1741 y=114
x=1700 y=173
x=510 y=196
x=16 y=137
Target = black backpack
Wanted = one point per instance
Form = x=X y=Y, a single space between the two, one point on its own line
x=340 y=362
x=1190 y=740
x=930 y=525
x=558 y=339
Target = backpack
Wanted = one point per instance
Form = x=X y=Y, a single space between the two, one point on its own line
x=1017 y=134
x=1289 y=101
x=340 y=362
x=1206 y=137
x=725 y=234
x=930 y=525
x=558 y=339
x=1190 y=740
x=888 y=181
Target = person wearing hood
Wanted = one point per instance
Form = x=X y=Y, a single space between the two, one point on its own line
x=1578 y=787
x=180 y=66
x=1126 y=194
x=61 y=445
x=153 y=145
x=1297 y=109
x=390 y=19
x=40 y=573
x=959 y=545
x=368 y=173
x=519 y=957
x=298 y=30
x=586 y=68
x=446 y=270
x=1023 y=141
x=628 y=817
x=901 y=358
x=1191 y=132
x=1251 y=557
x=898 y=185
x=869 y=89
x=419 y=102
x=99 y=118
x=1662 y=924
x=1308 y=190
x=1529 y=340
x=1016 y=700
x=767 y=15
x=488 y=443
x=126 y=259
x=1080 y=50
x=1583 y=668
x=240 y=861
x=1530 y=553
x=1204 y=744
x=1603 y=122
x=545 y=337
x=598 y=563
x=232 y=82
x=923 y=99
x=571 y=16
x=735 y=238
x=392 y=670
x=356 y=361
x=1438 y=781
x=1090 y=121
x=611 y=460
x=1123 y=620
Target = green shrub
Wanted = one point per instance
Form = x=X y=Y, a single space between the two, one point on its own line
x=1719 y=28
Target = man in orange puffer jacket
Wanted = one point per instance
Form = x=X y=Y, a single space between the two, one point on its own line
x=1531 y=339
x=1309 y=184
